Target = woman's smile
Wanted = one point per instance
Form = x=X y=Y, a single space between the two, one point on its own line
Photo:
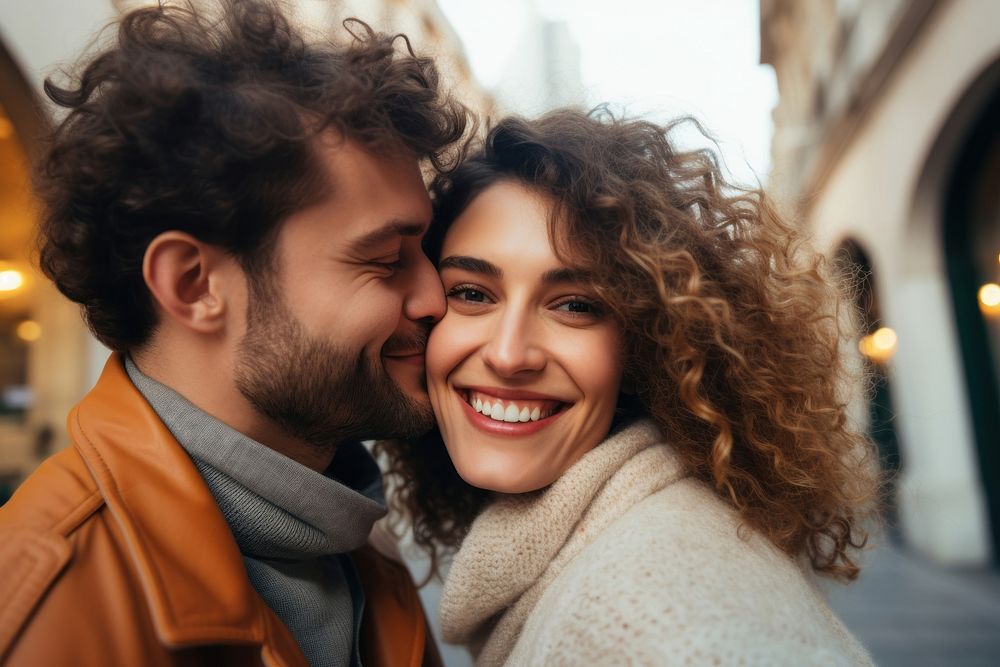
x=508 y=412
x=506 y=405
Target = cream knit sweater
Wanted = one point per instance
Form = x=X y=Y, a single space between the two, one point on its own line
x=626 y=560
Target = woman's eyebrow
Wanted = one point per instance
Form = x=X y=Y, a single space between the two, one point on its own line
x=472 y=265
x=565 y=275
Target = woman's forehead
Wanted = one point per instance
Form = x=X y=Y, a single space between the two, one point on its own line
x=503 y=216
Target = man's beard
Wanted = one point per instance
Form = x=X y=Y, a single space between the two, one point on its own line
x=317 y=391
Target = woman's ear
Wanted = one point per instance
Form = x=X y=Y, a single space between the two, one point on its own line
x=182 y=273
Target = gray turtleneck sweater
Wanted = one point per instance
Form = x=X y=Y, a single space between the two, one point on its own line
x=294 y=526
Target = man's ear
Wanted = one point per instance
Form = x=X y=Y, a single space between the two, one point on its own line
x=184 y=276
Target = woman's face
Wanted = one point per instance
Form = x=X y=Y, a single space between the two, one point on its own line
x=524 y=370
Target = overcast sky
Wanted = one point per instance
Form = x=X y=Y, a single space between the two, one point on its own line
x=657 y=58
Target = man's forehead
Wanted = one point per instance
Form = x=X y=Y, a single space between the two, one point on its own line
x=348 y=160
x=378 y=196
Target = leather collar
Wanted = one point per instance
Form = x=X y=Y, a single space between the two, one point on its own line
x=187 y=560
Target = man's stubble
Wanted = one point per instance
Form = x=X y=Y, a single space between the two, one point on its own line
x=317 y=391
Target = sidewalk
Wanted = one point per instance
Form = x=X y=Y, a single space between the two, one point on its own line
x=911 y=613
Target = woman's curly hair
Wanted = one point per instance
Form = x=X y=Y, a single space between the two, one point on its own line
x=733 y=330
x=202 y=119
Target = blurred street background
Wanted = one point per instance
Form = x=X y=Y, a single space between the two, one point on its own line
x=874 y=124
x=908 y=611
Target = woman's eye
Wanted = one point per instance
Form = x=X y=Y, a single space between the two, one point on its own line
x=579 y=307
x=469 y=294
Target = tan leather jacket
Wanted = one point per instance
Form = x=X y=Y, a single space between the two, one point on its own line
x=115 y=553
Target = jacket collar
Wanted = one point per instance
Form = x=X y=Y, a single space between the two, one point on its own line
x=191 y=570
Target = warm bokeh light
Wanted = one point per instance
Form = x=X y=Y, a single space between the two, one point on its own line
x=989 y=299
x=10 y=280
x=879 y=346
x=29 y=331
x=6 y=128
x=884 y=338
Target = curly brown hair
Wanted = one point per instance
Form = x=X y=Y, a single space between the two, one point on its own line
x=733 y=330
x=203 y=121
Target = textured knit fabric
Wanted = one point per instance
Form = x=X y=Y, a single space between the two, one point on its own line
x=294 y=526
x=628 y=560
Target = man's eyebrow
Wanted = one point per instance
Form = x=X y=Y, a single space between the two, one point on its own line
x=386 y=232
x=472 y=265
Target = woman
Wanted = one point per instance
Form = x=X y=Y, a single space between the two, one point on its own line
x=637 y=383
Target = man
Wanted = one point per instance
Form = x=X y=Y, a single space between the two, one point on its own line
x=239 y=214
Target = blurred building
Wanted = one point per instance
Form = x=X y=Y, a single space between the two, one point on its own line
x=887 y=145
x=544 y=70
x=48 y=359
x=422 y=21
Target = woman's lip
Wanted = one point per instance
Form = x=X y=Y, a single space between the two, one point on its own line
x=510 y=394
x=509 y=429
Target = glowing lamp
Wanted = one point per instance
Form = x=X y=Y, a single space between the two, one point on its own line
x=989 y=299
x=879 y=346
x=10 y=280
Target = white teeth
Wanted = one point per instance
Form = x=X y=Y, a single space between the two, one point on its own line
x=512 y=413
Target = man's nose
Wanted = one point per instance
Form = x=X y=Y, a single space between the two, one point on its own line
x=425 y=296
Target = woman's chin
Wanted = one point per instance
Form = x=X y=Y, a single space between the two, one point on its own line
x=501 y=479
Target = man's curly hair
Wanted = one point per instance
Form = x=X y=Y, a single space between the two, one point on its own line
x=733 y=330
x=204 y=122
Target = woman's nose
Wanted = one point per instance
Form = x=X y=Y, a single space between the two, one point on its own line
x=514 y=347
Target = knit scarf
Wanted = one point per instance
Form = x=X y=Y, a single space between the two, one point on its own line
x=521 y=543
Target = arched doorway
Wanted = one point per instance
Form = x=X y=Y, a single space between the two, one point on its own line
x=877 y=347
x=971 y=241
